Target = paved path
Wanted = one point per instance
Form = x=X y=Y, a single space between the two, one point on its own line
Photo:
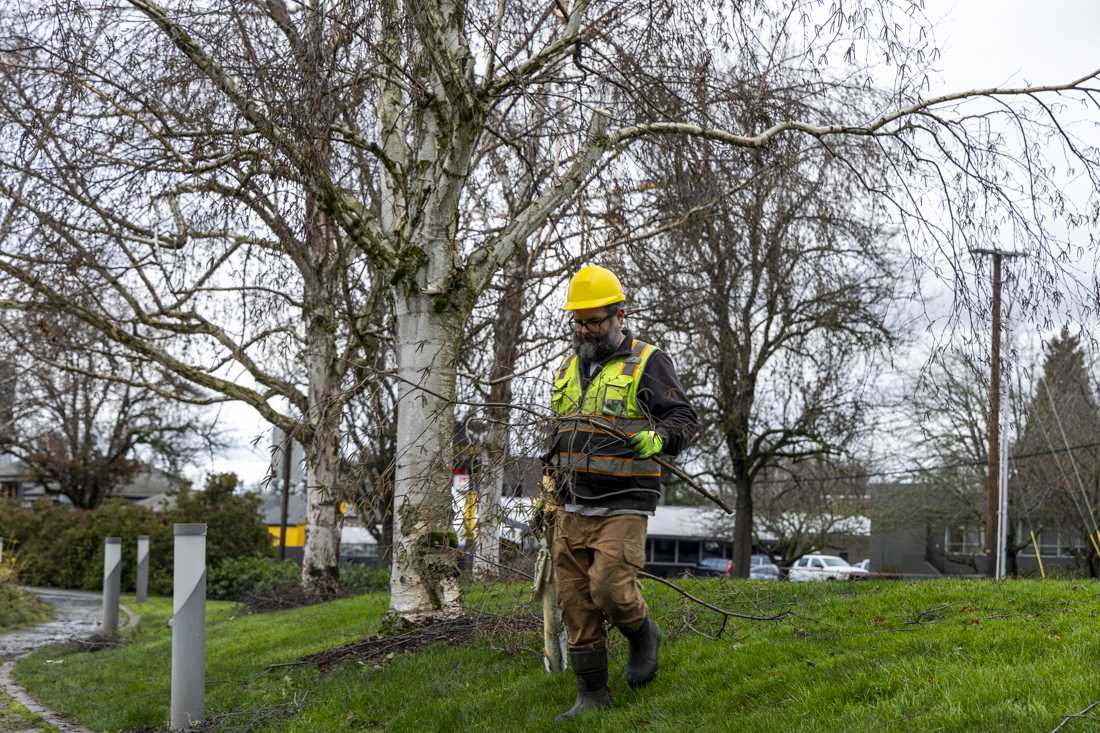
x=75 y=614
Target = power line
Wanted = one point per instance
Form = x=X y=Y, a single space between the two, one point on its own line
x=932 y=468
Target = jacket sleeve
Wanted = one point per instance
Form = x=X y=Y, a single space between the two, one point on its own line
x=662 y=399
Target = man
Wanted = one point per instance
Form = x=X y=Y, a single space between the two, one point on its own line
x=618 y=404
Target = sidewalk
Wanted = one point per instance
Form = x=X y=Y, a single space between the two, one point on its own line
x=76 y=614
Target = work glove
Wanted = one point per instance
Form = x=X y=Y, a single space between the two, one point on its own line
x=646 y=443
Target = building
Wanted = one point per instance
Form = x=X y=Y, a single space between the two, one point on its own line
x=271 y=508
x=921 y=542
x=17 y=482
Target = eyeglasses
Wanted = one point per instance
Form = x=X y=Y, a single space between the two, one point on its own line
x=591 y=323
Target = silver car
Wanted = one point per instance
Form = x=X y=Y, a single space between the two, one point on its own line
x=761 y=567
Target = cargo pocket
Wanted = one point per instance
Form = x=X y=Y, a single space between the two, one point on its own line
x=615 y=394
x=634 y=546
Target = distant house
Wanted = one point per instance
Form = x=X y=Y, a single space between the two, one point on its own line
x=678 y=537
x=922 y=543
x=17 y=482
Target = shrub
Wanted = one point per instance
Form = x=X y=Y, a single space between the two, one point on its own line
x=237 y=579
x=357 y=578
x=59 y=546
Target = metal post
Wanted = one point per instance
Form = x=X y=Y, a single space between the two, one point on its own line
x=1002 y=518
x=142 y=568
x=188 y=626
x=288 y=449
x=1 y=549
x=112 y=577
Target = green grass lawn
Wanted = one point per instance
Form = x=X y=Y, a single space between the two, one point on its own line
x=20 y=609
x=875 y=656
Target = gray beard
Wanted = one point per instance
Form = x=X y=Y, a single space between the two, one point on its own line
x=599 y=349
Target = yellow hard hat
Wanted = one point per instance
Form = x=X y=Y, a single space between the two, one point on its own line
x=592 y=287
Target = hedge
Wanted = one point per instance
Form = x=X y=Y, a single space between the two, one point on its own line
x=59 y=546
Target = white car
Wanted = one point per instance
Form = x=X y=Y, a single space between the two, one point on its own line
x=825 y=567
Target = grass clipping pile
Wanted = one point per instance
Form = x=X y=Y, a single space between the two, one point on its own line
x=501 y=631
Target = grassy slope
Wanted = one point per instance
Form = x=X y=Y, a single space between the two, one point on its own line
x=20 y=609
x=1012 y=657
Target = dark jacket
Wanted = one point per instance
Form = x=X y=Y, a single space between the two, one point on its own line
x=662 y=400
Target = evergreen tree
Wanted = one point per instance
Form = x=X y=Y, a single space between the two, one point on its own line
x=1061 y=422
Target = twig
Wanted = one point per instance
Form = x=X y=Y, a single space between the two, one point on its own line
x=716 y=609
x=928 y=614
x=1080 y=714
x=660 y=461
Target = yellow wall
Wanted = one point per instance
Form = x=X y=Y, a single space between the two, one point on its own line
x=295 y=535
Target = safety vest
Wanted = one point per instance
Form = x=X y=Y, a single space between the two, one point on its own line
x=611 y=398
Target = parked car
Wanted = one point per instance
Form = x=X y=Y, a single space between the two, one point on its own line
x=714 y=567
x=762 y=568
x=824 y=567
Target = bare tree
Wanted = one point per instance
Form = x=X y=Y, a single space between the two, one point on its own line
x=139 y=205
x=810 y=506
x=85 y=435
x=945 y=427
x=776 y=284
x=329 y=140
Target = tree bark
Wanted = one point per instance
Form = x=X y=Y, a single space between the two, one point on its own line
x=424 y=578
x=742 y=525
x=320 y=564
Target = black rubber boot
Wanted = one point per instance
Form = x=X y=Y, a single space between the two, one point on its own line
x=645 y=642
x=590 y=667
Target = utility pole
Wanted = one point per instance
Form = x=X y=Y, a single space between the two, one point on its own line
x=993 y=502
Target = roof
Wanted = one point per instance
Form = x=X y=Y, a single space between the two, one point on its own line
x=159 y=502
x=687 y=521
x=356 y=536
x=148 y=482
x=706 y=523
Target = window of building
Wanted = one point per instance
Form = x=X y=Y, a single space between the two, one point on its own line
x=664 y=550
x=964 y=541
x=714 y=548
x=9 y=490
x=689 y=552
x=1052 y=542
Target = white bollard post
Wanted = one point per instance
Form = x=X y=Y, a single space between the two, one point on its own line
x=112 y=580
x=188 y=626
x=142 y=568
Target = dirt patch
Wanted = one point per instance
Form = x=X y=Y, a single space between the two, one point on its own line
x=502 y=630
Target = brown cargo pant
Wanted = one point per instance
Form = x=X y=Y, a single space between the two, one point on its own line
x=596 y=563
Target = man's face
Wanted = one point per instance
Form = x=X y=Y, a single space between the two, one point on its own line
x=597 y=332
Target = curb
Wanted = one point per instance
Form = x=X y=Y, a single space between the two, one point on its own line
x=17 y=693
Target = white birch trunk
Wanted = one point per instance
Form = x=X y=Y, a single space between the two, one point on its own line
x=424 y=578
x=320 y=564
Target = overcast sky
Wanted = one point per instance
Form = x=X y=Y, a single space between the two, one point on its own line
x=983 y=43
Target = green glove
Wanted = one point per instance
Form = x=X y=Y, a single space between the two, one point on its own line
x=646 y=443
